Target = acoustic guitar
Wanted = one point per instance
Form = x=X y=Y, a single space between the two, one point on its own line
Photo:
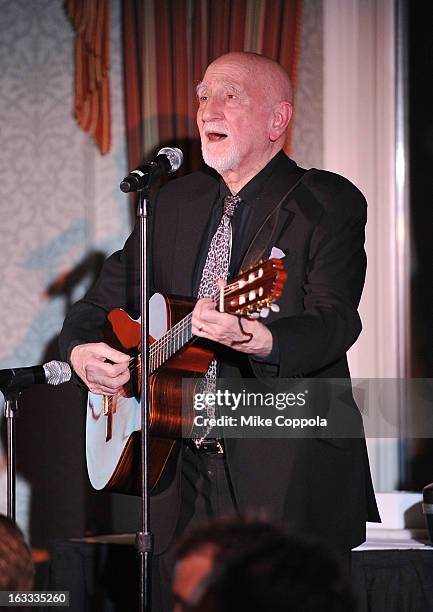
x=113 y=422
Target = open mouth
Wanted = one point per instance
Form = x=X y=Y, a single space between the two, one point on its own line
x=215 y=136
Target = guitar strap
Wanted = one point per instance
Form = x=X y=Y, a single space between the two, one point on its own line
x=261 y=239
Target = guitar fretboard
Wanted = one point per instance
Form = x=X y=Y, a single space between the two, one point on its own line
x=171 y=342
x=256 y=286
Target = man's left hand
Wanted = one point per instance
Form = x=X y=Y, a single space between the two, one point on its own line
x=225 y=329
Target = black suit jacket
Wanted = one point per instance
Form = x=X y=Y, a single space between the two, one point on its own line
x=317 y=486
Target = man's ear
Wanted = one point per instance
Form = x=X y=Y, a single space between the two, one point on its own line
x=280 y=120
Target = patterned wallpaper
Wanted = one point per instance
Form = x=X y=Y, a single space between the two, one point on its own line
x=307 y=146
x=59 y=204
x=59 y=199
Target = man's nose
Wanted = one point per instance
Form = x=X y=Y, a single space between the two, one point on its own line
x=212 y=109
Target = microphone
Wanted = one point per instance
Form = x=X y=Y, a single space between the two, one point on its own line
x=51 y=373
x=169 y=159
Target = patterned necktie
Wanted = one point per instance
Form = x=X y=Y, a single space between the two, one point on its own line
x=218 y=257
x=215 y=267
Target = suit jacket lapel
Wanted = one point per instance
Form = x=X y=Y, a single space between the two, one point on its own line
x=192 y=222
x=283 y=176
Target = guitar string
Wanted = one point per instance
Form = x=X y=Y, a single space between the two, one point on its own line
x=162 y=343
x=162 y=349
x=183 y=324
x=170 y=339
x=167 y=344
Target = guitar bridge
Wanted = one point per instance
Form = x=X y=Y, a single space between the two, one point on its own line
x=105 y=405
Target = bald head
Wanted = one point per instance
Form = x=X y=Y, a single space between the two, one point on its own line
x=265 y=72
x=243 y=115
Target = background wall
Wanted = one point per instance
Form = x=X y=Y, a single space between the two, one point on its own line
x=307 y=141
x=61 y=212
x=359 y=112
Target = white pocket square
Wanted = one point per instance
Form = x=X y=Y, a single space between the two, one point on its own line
x=277 y=253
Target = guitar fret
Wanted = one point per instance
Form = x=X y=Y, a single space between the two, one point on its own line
x=256 y=288
x=170 y=344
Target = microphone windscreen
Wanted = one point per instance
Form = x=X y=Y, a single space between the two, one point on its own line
x=57 y=372
x=175 y=157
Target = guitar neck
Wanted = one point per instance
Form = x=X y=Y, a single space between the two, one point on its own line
x=256 y=288
x=170 y=343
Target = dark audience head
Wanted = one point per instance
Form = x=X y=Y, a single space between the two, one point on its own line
x=250 y=565
x=16 y=566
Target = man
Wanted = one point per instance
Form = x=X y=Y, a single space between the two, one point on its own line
x=311 y=485
x=248 y=565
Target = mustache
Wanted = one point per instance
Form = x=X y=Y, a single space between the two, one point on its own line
x=217 y=128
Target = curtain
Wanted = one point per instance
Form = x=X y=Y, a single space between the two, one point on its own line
x=91 y=23
x=167 y=46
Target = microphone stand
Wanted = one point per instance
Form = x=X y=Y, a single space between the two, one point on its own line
x=53 y=373
x=11 y=394
x=10 y=412
x=144 y=538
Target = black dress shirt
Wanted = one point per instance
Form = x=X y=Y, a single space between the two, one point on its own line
x=240 y=220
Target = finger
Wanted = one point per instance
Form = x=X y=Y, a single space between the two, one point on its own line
x=114 y=369
x=205 y=302
x=221 y=283
x=197 y=328
x=221 y=319
x=201 y=306
x=112 y=383
x=202 y=331
x=206 y=314
x=98 y=390
x=196 y=318
x=103 y=389
x=107 y=352
x=104 y=368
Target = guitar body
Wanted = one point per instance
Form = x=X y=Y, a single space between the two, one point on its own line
x=113 y=423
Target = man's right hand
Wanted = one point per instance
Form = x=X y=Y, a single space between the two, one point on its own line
x=101 y=377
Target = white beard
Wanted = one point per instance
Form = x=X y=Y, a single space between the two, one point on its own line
x=221 y=163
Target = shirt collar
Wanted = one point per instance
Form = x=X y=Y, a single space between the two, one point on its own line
x=251 y=190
